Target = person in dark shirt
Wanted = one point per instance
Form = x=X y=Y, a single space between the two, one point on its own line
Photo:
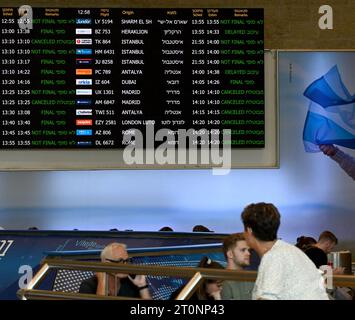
x=127 y=288
x=317 y=255
x=118 y=284
x=318 y=252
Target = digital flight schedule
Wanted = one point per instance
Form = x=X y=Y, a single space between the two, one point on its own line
x=86 y=77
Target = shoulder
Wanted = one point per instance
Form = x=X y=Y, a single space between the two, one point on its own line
x=318 y=256
x=230 y=285
x=280 y=250
x=227 y=285
x=314 y=251
x=233 y=283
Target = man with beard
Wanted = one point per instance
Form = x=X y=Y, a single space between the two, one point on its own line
x=237 y=254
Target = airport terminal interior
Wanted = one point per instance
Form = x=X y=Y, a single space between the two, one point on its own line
x=177 y=150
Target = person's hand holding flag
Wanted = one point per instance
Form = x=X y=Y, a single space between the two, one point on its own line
x=328 y=149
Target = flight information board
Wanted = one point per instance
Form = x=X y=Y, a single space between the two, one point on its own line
x=85 y=78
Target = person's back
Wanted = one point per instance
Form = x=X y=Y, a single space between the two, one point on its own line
x=290 y=275
x=317 y=255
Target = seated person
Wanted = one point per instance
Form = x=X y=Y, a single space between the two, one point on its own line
x=237 y=254
x=285 y=272
x=318 y=252
x=209 y=289
x=118 y=284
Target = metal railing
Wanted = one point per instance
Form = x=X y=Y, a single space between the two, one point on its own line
x=196 y=275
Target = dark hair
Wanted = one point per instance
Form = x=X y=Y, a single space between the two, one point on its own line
x=206 y=262
x=264 y=220
x=200 y=228
x=304 y=242
x=327 y=235
x=230 y=242
x=166 y=229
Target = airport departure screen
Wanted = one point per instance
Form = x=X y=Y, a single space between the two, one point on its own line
x=87 y=77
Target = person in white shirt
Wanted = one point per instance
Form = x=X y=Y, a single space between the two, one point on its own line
x=285 y=272
x=345 y=161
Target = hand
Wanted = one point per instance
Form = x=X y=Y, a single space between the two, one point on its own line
x=328 y=149
x=139 y=280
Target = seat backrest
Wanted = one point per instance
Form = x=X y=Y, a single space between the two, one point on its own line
x=70 y=280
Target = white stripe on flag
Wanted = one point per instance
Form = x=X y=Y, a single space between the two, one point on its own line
x=332 y=77
x=335 y=117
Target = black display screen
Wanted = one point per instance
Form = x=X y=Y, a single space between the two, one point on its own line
x=85 y=78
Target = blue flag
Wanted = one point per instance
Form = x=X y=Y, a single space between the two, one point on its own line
x=331 y=114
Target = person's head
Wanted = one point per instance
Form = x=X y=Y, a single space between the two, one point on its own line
x=236 y=251
x=200 y=228
x=209 y=286
x=261 y=222
x=327 y=241
x=166 y=229
x=304 y=242
x=115 y=252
